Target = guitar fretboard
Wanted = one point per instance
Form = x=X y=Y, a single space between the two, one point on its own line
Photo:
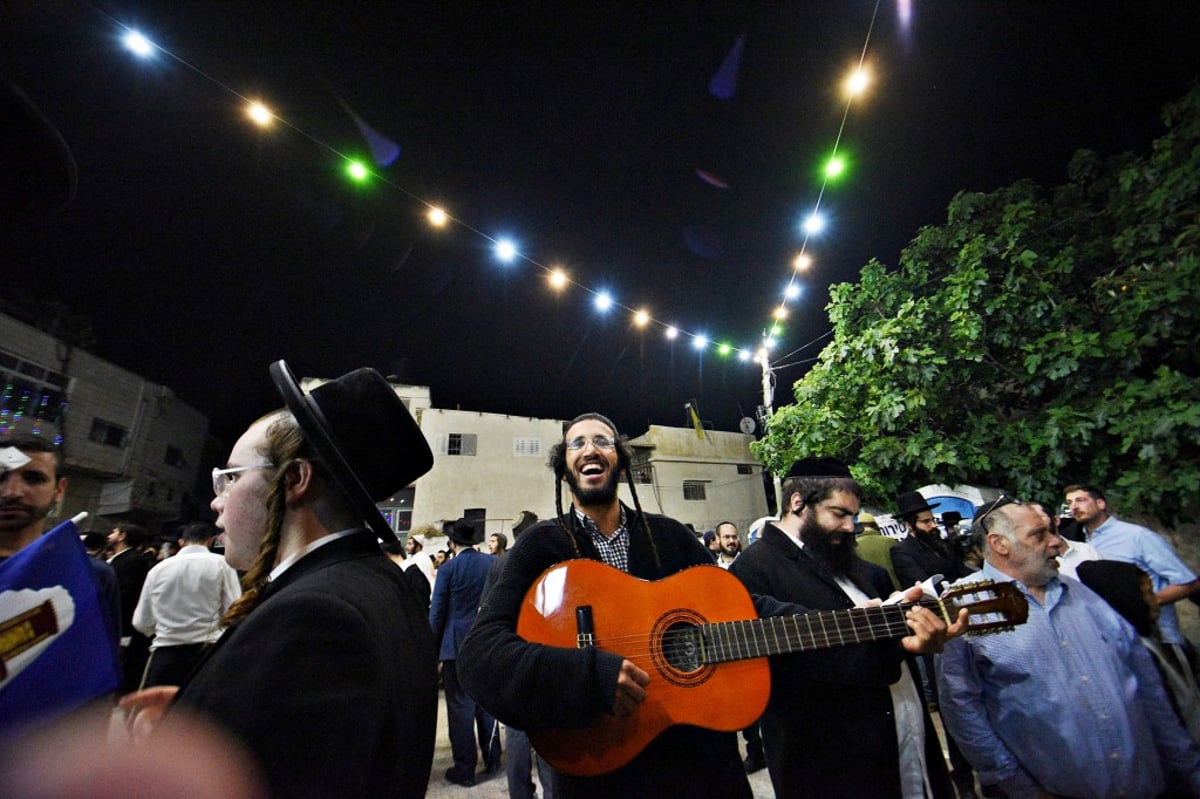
x=723 y=642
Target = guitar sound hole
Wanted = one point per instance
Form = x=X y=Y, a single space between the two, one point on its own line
x=681 y=647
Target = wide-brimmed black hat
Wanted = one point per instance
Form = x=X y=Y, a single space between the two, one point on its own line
x=370 y=444
x=465 y=532
x=913 y=502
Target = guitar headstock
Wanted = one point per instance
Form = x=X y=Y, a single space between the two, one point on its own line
x=991 y=607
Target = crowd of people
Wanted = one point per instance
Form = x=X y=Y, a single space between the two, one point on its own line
x=322 y=664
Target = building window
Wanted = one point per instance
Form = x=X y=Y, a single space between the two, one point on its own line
x=174 y=456
x=527 y=447
x=695 y=489
x=642 y=472
x=460 y=444
x=745 y=468
x=108 y=433
x=30 y=392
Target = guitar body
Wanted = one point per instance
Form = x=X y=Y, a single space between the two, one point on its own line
x=653 y=625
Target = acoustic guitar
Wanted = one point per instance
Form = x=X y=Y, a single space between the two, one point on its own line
x=698 y=636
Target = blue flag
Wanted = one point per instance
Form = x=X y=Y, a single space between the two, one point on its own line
x=55 y=652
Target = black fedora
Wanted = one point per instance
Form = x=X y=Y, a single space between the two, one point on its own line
x=364 y=434
x=912 y=502
x=465 y=532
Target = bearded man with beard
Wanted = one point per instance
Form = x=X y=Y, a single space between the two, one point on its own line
x=536 y=687
x=28 y=494
x=847 y=721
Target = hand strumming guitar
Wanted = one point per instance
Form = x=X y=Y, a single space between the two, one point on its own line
x=631 y=688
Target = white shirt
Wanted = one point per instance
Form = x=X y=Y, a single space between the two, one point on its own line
x=421 y=562
x=1074 y=553
x=184 y=598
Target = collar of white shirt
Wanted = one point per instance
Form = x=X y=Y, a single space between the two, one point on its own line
x=290 y=560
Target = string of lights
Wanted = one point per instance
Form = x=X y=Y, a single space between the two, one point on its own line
x=507 y=251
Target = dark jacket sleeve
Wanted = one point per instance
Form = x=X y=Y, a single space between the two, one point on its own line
x=528 y=685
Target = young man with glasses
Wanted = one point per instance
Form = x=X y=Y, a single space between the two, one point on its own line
x=536 y=687
x=325 y=670
x=1069 y=703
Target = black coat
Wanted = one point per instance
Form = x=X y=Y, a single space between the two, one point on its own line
x=331 y=682
x=535 y=687
x=916 y=559
x=829 y=728
x=131 y=568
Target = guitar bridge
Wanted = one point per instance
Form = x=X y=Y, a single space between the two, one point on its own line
x=585 y=635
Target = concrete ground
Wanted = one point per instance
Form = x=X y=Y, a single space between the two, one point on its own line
x=495 y=786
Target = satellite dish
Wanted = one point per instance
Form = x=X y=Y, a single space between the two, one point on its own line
x=746 y=425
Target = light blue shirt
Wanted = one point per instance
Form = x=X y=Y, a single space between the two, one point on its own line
x=1069 y=703
x=1149 y=551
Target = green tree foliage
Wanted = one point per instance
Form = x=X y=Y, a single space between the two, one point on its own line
x=1037 y=338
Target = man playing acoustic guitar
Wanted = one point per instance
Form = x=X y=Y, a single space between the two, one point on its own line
x=845 y=721
x=546 y=688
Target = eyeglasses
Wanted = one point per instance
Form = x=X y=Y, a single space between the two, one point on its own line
x=998 y=502
x=599 y=442
x=223 y=478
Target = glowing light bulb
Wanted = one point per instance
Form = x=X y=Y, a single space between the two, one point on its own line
x=815 y=223
x=803 y=261
x=858 y=81
x=792 y=291
x=558 y=279
x=437 y=217
x=357 y=171
x=834 y=167
x=781 y=312
x=259 y=114
x=138 y=44
x=700 y=342
x=671 y=333
x=641 y=318
x=604 y=301
x=743 y=355
x=506 y=251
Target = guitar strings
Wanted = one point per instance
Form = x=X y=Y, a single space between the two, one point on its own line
x=726 y=641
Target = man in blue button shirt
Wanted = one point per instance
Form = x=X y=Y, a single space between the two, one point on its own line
x=1069 y=703
x=1141 y=546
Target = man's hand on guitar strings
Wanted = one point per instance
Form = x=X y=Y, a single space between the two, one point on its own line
x=631 y=688
x=930 y=632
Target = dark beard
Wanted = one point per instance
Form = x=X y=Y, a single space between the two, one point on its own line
x=838 y=558
x=587 y=497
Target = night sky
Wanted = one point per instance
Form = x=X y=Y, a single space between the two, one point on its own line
x=202 y=248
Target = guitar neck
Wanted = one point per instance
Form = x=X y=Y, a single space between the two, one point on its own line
x=723 y=642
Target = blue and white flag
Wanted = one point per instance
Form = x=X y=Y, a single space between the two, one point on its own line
x=55 y=652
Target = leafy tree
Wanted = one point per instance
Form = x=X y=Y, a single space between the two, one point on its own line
x=1037 y=338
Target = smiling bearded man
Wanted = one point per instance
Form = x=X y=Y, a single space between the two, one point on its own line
x=535 y=687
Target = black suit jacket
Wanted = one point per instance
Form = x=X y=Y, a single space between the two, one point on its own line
x=915 y=560
x=131 y=568
x=331 y=682
x=829 y=728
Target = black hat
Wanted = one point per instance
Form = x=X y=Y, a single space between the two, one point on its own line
x=465 y=533
x=525 y=520
x=363 y=433
x=818 y=467
x=912 y=502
